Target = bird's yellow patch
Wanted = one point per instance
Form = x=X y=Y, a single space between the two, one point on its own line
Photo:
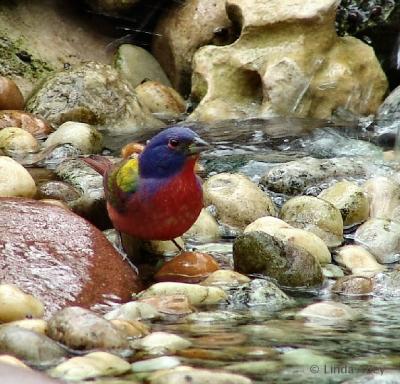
x=127 y=176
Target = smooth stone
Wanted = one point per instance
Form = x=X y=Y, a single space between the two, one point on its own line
x=259 y=252
x=255 y=367
x=10 y=95
x=163 y=248
x=8 y=359
x=39 y=254
x=225 y=278
x=213 y=317
x=294 y=236
x=187 y=267
x=353 y=286
x=11 y=374
x=382 y=238
x=238 y=201
x=315 y=215
x=260 y=292
x=303 y=356
x=136 y=65
x=102 y=98
x=205 y=229
x=131 y=328
x=31 y=123
x=350 y=200
x=15 y=140
x=35 y=325
x=198 y=376
x=328 y=312
x=17 y=305
x=171 y=304
x=79 y=328
x=15 y=180
x=387 y=284
x=161 y=343
x=197 y=294
x=134 y=310
x=58 y=190
x=90 y=366
x=82 y=136
x=163 y=362
x=332 y=270
x=358 y=260
x=31 y=347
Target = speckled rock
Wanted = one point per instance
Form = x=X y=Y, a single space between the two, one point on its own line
x=259 y=252
x=353 y=286
x=70 y=250
x=79 y=328
x=17 y=140
x=315 y=215
x=11 y=375
x=101 y=98
x=17 y=305
x=136 y=65
x=32 y=347
x=58 y=190
x=30 y=123
x=15 y=180
x=82 y=136
x=382 y=238
x=238 y=200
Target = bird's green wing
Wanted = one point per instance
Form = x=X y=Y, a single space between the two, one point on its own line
x=121 y=182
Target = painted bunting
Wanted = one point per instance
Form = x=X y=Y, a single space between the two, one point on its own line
x=156 y=196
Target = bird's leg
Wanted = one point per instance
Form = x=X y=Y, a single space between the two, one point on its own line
x=177 y=245
x=123 y=252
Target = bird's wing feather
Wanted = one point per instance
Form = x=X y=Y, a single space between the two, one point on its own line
x=122 y=182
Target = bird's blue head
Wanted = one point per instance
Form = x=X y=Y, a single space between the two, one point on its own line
x=167 y=152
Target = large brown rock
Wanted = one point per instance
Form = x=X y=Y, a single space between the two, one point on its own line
x=59 y=257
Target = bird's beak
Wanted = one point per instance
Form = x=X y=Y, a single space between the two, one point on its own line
x=196 y=146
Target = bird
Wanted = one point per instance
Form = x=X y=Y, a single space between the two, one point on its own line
x=157 y=195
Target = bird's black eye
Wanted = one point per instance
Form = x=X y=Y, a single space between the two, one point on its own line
x=173 y=143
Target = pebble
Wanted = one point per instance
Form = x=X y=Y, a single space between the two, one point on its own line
x=58 y=190
x=161 y=343
x=134 y=310
x=131 y=328
x=162 y=362
x=82 y=136
x=225 y=278
x=17 y=305
x=79 y=328
x=27 y=121
x=353 y=286
x=204 y=230
x=15 y=180
x=197 y=294
x=17 y=141
x=163 y=248
x=332 y=270
x=10 y=95
x=90 y=366
x=187 y=267
x=170 y=304
x=237 y=199
x=31 y=347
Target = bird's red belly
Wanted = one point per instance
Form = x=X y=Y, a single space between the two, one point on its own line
x=167 y=214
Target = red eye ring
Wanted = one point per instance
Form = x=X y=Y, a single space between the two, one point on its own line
x=173 y=143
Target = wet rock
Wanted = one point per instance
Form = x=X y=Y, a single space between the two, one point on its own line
x=214 y=317
x=332 y=270
x=161 y=343
x=134 y=310
x=294 y=236
x=376 y=378
x=170 y=305
x=156 y=247
x=90 y=366
x=275 y=83
x=187 y=267
x=198 y=376
x=205 y=229
x=388 y=115
x=197 y=294
x=30 y=123
x=384 y=198
x=225 y=278
x=353 y=286
x=35 y=325
x=255 y=367
x=17 y=305
x=163 y=362
x=43 y=246
x=382 y=238
x=58 y=190
x=315 y=215
x=260 y=292
x=387 y=284
x=303 y=356
x=358 y=260
x=350 y=200
x=328 y=312
x=15 y=180
x=131 y=328
x=160 y=99
x=182 y=30
x=17 y=140
x=79 y=328
x=10 y=95
x=31 y=347
x=82 y=136
x=137 y=65
x=11 y=375
x=258 y=252
x=101 y=98
x=238 y=201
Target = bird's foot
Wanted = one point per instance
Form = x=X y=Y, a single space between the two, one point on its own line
x=178 y=246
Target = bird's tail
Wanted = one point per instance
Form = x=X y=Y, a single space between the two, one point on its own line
x=99 y=163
